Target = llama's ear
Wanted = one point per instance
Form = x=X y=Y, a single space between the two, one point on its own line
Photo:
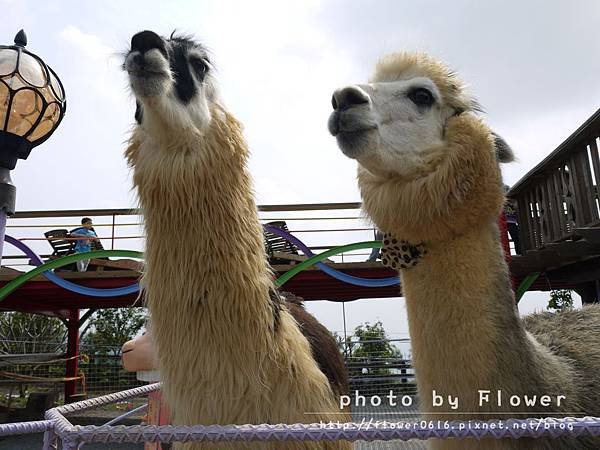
x=139 y=112
x=132 y=151
x=504 y=153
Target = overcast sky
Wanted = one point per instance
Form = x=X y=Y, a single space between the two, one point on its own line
x=533 y=65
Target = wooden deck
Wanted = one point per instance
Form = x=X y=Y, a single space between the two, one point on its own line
x=559 y=213
x=42 y=296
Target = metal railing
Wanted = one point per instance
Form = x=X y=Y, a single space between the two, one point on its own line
x=321 y=226
x=101 y=371
x=378 y=367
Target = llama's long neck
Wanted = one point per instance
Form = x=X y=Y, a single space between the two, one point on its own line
x=227 y=352
x=206 y=269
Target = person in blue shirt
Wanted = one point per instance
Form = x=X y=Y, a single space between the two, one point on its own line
x=84 y=245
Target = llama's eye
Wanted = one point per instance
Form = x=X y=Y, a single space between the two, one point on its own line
x=421 y=97
x=199 y=66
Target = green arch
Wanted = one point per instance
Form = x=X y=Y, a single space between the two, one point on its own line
x=60 y=262
x=22 y=279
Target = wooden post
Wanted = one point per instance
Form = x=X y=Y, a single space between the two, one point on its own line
x=158 y=413
x=112 y=238
x=72 y=352
x=589 y=292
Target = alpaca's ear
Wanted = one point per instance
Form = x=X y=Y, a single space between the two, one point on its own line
x=504 y=153
x=139 y=112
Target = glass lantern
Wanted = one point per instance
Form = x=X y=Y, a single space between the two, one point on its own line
x=32 y=101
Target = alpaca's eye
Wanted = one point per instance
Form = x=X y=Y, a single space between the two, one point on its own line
x=421 y=97
x=199 y=66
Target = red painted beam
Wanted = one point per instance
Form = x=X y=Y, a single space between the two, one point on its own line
x=47 y=298
x=316 y=285
x=72 y=353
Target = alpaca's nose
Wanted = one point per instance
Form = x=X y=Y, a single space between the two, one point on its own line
x=347 y=97
x=147 y=40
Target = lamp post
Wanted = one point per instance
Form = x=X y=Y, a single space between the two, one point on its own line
x=32 y=105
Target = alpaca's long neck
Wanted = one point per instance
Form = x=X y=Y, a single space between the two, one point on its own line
x=205 y=261
x=465 y=331
x=463 y=323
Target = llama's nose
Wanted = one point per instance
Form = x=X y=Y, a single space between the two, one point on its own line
x=147 y=40
x=347 y=97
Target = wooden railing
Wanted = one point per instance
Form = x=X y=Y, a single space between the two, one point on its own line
x=560 y=194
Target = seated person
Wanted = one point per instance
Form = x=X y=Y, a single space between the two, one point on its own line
x=84 y=245
x=376 y=252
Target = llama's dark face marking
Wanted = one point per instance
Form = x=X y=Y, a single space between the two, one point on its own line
x=189 y=65
x=171 y=76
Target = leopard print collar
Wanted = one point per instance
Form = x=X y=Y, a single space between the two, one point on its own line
x=398 y=254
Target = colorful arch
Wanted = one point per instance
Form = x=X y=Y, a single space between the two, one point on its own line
x=46 y=270
x=357 y=281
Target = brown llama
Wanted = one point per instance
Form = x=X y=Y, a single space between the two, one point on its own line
x=230 y=350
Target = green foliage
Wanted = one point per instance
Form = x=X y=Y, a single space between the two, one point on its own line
x=374 y=363
x=370 y=349
x=23 y=333
x=344 y=345
x=111 y=328
x=31 y=333
x=371 y=340
x=560 y=300
x=339 y=340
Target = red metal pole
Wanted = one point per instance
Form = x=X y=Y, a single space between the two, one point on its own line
x=2 y=230
x=72 y=351
x=504 y=236
x=505 y=244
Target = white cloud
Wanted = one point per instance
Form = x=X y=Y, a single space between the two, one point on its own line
x=90 y=45
x=97 y=64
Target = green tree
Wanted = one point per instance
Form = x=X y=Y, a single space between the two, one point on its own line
x=370 y=349
x=375 y=365
x=344 y=345
x=31 y=333
x=25 y=333
x=102 y=339
x=110 y=328
x=560 y=300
